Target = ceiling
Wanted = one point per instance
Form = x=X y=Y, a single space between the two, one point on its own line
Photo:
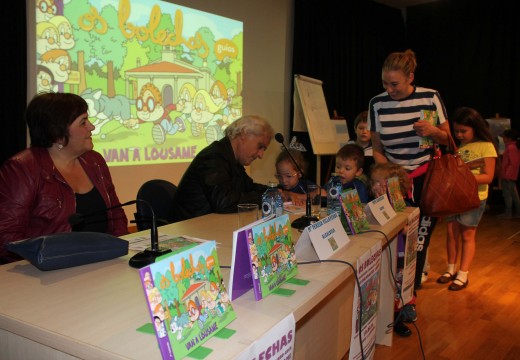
x=402 y=4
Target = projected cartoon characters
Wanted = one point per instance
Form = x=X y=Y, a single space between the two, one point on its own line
x=66 y=39
x=218 y=92
x=150 y=109
x=45 y=9
x=205 y=118
x=45 y=80
x=103 y=109
x=58 y=62
x=47 y=37
x=185 y=102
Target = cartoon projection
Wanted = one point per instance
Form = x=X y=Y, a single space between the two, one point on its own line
x=158 y=91
x=150 y=109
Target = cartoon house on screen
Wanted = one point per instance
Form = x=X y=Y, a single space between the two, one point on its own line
x=203 y=101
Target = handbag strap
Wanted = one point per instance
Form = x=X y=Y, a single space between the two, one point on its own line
x=451 y=147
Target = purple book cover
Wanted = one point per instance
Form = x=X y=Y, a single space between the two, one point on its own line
x=252 y=256
x=241 y=277
x=186 y=299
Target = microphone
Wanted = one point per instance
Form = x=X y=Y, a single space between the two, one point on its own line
x=142 y=258
x=307 y=219
x=148 y=255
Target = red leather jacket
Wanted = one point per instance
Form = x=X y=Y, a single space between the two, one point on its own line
x=36 y=200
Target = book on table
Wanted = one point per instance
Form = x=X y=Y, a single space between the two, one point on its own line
x=354 y=217
x=263 y=257
x=393 y=189
x=187 y=300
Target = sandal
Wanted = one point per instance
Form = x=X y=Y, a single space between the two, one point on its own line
x=457 y=285
x=446 y=278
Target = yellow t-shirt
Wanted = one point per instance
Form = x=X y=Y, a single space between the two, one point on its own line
x=475 y=150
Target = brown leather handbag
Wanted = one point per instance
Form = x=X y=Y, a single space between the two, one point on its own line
x=449 y=186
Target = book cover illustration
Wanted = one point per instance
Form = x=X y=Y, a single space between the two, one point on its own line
x=272 y=255
x=432 y=117
x=241 y=278
x=186 y=299
x=354 y=217
x=393 y=188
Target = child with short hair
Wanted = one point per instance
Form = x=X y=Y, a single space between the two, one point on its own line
x=350 y=162
x=363 y=139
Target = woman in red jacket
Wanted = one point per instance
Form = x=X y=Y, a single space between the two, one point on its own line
x=57 y=176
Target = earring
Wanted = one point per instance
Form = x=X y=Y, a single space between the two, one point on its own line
x=60 y=146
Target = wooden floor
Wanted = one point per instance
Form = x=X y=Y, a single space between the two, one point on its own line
x=479 y=322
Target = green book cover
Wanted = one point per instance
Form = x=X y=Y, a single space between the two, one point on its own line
x=432 y=117
x=186 y=299
x=353 y=211
x=272 y=255
x=394 y=194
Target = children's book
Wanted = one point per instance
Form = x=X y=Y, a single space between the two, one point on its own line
x=393 y=189
x=432 y=117
x=186 y=298
x=354 y=217
x=263 y=257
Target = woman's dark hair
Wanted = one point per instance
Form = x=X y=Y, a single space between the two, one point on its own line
x=49 y=116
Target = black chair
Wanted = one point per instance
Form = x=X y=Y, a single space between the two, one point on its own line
x=159 y=194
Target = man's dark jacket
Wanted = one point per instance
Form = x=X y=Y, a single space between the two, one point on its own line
x=215 y=183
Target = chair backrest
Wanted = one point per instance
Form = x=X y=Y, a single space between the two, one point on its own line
x=159 y=194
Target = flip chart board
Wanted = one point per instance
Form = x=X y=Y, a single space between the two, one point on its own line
x=311 y=115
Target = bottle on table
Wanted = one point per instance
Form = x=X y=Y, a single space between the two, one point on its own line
x=334 y=195
x=272 y=202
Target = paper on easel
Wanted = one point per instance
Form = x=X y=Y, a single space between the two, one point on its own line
x=319 y=241
x=379 y=211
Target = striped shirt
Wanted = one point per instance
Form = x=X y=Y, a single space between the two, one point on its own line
x=394 y=119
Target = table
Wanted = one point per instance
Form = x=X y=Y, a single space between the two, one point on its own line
x=93 y=311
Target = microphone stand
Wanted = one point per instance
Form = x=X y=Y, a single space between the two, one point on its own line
x=149 y=255
x=307 y=219
x=142 y=258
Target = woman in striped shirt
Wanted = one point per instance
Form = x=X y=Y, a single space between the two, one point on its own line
x=405 y=122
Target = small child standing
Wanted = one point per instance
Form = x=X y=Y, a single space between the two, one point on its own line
x=508 y=175
x=350 y=161
x=472 y=132
x=364 y=140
